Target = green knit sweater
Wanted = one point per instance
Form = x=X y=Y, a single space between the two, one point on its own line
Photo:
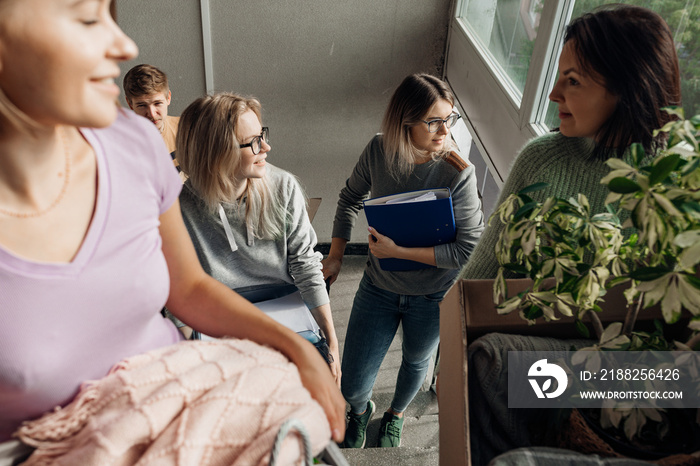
x=567 y=165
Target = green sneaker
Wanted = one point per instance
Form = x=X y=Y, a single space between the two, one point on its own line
x=390 y=431
x=357 y=427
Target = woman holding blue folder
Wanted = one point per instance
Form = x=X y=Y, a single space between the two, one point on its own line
x=413 y=152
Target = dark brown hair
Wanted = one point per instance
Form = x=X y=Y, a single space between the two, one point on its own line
x=144 y=80
x=631 y=48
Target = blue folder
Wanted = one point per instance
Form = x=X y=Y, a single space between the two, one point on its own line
x=414 y=224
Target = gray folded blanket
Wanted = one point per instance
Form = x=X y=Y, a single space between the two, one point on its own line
x=495 y=428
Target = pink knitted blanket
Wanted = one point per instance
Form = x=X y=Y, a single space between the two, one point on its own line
x=193 y=403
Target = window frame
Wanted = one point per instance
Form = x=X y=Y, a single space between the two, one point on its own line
x=499 y=109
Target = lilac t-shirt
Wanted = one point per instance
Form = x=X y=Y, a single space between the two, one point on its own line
x=62 y=324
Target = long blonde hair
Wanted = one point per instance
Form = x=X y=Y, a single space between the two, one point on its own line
x=408 y=106
x=209 y=154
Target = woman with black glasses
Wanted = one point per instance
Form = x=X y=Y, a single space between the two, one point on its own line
x=248 y=218
x=414 y=152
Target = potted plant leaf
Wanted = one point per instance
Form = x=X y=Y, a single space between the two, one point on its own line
x=649 y=244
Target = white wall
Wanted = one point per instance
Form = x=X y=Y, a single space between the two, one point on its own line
x=169 y=36
x=324 y=71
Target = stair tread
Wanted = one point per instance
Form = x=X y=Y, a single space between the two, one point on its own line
x=404 y=456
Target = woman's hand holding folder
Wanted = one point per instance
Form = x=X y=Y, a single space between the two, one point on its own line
x=383 y=247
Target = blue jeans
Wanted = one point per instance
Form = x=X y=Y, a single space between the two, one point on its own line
x=374 y=319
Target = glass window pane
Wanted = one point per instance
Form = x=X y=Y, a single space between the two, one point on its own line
x=507 y=30
x=683 y=17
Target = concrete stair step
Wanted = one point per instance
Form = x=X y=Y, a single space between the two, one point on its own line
x=401 y=456
x=420 y=425
x=419 y=439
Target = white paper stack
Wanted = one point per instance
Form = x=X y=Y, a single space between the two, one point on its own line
x=289 y=311
x=429 y=196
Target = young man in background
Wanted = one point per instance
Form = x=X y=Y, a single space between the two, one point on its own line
x=147 y=93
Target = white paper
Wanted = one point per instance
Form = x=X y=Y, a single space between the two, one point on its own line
x=289 y=311
x=410 y=196
x=430 y=196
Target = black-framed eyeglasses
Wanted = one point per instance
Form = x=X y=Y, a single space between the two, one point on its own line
x=256 y=144
x=450 y=121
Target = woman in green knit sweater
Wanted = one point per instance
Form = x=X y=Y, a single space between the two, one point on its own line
x=617 y=69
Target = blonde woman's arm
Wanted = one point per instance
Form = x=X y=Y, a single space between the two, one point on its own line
x=324 y=318
x=305 y=265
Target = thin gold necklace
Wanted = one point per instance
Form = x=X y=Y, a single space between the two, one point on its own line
x=60 y=195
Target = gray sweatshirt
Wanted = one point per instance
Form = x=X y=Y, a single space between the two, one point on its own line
x=258 y=263
x=370 y=175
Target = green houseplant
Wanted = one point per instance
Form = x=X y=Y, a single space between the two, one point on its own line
x=649 y=243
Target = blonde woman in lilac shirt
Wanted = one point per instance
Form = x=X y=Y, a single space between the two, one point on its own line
x=92 y=242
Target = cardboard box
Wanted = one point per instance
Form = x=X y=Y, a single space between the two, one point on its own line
x=468 y=312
